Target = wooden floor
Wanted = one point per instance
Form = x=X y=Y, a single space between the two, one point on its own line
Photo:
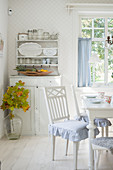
x=34 y=153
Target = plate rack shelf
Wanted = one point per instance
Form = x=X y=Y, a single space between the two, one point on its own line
x=46 y=55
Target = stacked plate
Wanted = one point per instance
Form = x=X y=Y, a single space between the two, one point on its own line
x=91 y=95
x=96 y=101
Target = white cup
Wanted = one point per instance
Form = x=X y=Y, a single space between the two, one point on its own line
x=21 y=61
x=33 y=61
x=44 y=61
x=111 y=100
x=48 y=61
x=40 y=32
x=27 y=60
x=37 y=61
x=101 y=95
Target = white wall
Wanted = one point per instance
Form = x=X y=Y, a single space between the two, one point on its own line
x=3 y=60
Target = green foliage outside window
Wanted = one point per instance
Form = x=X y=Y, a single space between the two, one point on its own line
x=110 y=22
x=86 y=22
x=99 y=22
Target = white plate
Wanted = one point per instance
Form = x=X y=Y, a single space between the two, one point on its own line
x=96 y=101
x=91 y=95
x=50 y=52
x=30 y=49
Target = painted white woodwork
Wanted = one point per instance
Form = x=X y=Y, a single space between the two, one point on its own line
x=41 y=108
x=104 y=110
x=35 y=120
x=28 y=116
x=89 y=6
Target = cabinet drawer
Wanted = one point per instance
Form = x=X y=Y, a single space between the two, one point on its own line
x=33 y=82
x=28 y=82
x=53 y=82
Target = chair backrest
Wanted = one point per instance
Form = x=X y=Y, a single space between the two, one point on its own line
x=75 y=100
x=56 y=102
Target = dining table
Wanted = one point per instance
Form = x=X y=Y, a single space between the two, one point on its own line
x=95 y=109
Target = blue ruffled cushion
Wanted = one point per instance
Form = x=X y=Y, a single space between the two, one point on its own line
x=72 y=130
x=99 y=122
x=106 y=142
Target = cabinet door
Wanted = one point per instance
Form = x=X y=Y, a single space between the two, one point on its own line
x=28 y=116
x=42 y=112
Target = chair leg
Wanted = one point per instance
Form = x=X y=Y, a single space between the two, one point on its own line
x=75 y=153
x=102 y=128
x=106 y=131
x=53 y=146
x=95 y=159
x=98 y=158
x=67 y=143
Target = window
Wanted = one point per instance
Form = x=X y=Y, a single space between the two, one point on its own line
x=98 y=29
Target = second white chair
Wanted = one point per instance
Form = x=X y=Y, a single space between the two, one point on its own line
x=99 y=122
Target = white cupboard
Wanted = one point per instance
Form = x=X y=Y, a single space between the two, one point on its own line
x=35 y=120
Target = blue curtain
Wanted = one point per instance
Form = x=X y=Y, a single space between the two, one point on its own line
x=84 y=53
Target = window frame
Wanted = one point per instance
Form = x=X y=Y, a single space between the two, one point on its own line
x=99 y=39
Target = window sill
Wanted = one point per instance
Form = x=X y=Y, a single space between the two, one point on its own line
x=98 y=85
x=95 y=89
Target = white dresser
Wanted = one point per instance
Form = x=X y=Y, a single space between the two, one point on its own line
x=35 y=120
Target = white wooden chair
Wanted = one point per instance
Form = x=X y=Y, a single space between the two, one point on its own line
x=99 y=122
x=60 y=125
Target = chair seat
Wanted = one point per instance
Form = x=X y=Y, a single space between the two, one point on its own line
x=72 y=130
x=99 y=122
x=106 y=142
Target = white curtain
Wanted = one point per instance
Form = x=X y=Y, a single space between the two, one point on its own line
x=84 y=53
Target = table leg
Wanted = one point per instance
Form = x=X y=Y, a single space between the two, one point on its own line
x=91 y=152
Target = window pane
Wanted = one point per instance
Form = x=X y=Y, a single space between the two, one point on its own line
x=99 y=33
x=86 y=22
x=110 y=32
x=110 y=22
x=99 y=76
x=98 y=47
x=110 y=65
x=91 y=67
x=99 y=22
x=87 y=33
